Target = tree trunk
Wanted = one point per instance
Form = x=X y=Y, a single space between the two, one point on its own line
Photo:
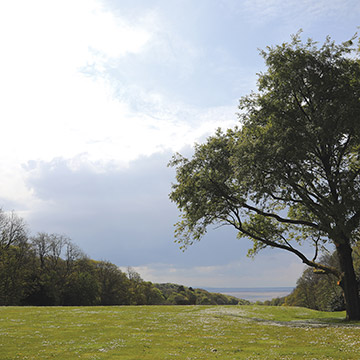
x=348 y=282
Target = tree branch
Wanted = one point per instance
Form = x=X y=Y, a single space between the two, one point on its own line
x=305 y=260
x=232 y=202
x=301 y=107
x=354 y=221
x=279 y=218
x=286 y=199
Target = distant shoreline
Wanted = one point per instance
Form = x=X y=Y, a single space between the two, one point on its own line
x=255 y=293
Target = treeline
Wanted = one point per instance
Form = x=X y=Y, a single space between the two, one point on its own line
x=49 y=269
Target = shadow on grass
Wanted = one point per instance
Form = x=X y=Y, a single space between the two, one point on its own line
x=299 y=323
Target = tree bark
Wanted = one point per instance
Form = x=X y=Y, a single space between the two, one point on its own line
x=348 y=282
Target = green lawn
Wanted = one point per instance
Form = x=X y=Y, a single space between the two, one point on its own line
x=175 y=332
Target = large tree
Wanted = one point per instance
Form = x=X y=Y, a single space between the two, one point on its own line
x=290 y=172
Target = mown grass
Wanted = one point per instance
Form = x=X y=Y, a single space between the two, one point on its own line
x=175 y=332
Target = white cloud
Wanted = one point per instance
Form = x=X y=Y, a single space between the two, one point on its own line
x=59 y=101
x=48 y=102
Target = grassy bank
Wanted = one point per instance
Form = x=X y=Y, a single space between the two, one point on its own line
x=175 y=332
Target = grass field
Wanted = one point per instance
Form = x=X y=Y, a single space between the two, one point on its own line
x=175 y=332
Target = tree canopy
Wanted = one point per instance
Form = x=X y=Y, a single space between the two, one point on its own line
x=290 y=172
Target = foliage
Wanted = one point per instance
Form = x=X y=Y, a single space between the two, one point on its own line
x=290 y=173
x=168 y=332
x=16 y=260
x=279 y=301
x=114 y=284
x=48 y=269
x=181 y=295
x=319 y=291
x=316 y=291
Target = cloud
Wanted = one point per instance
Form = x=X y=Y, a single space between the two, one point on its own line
x=103 y=138
x=62 y=96
x=111 y=205
x=270 y=269
x=48 y=99
x=123 y=215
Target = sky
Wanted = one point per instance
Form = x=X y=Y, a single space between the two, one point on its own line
x=96 y=97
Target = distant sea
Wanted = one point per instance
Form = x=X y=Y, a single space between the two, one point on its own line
x=254 y=294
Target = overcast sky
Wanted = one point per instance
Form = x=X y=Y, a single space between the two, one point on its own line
x=96 y=96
